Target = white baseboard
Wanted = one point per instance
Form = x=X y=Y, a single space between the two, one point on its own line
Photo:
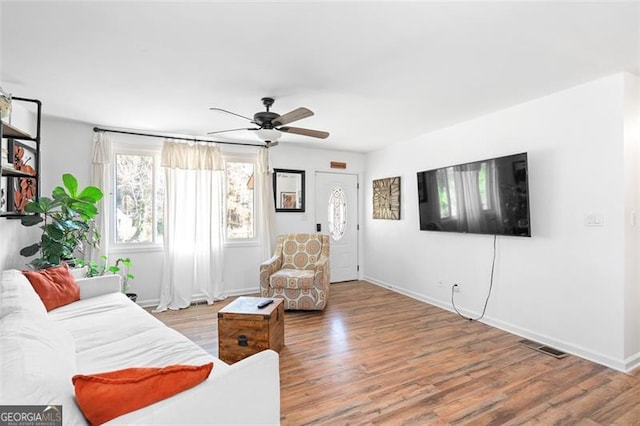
x=632 y=362
x=243 y=291
x=199 y=298
x=622 y=365
x=148 y=303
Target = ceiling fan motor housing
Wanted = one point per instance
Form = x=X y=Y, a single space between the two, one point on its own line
x=265 y=118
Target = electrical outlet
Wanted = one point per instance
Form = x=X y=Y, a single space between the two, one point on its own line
x=456 y=288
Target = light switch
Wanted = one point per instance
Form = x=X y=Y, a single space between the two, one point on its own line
x=593 y=219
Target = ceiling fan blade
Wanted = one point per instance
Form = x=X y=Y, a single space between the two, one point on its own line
x=291 y=116
x=228 y=130
x=232 y=113
x=305 y=132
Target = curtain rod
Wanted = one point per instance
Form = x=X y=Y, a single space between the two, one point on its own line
x=192 y=139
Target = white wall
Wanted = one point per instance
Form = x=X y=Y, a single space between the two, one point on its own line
x=564 y=286
x=67 y=147
x=632 y=230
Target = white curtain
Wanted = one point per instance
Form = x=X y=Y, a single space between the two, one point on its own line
x=265 y=207
x=193 y=240
x=101 y=178
x=472 y=205
x=493 y=191
x=468 y=199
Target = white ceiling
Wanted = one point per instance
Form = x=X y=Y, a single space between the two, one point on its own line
x=374 y=73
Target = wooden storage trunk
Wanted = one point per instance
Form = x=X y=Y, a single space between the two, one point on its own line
x=244 y=329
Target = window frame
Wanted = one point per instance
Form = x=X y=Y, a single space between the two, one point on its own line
x=158 y=241
x=237 y=242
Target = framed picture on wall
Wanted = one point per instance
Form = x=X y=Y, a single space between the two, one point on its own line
x=20 y=190
x=386 y=198
x=23 y=157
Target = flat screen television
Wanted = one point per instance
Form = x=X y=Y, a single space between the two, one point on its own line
x=483 y=197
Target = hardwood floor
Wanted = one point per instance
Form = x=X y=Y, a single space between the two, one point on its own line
x=378 y=357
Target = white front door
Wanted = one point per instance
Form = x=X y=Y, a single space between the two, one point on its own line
x=336 y=214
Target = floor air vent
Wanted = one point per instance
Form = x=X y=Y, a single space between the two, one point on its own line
x=543 y=348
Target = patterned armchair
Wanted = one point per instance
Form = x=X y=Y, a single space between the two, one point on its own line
x=298 y=272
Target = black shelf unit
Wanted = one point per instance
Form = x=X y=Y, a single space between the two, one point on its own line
x=11 y=133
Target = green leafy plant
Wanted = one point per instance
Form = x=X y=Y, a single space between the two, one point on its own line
x=124 y=272
x=93 y=269
x=122 y=267
x=67 y=223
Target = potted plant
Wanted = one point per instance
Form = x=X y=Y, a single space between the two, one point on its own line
x=66 y=221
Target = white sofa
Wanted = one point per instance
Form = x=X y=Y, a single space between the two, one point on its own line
x=105 y=331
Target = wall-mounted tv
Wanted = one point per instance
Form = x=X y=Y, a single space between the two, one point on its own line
x=483 y=197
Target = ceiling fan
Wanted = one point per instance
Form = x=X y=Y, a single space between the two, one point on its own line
x=271 y=124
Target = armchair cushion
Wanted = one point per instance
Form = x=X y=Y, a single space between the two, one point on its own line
x=292 y=278
x=301 y=253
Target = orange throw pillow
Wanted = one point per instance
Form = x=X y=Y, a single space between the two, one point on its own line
x=105 y=396
x=55 y=286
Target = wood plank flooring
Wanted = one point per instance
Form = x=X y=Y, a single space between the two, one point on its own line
x=378 y=357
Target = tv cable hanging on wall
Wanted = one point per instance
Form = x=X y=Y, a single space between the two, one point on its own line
x=486 y=302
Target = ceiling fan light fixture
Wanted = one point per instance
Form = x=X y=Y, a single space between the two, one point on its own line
x=268 y=134
x=271 y=125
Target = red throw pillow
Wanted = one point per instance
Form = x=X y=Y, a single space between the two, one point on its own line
x=55 y=286
x=105 y=396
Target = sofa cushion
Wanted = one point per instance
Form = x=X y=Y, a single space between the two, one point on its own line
x=97 y=286
x=16 y=293
x=55 y=286
x=292 y=278
x=112 y=333
x=105 y=396
x=37 y=362
x=86 y=320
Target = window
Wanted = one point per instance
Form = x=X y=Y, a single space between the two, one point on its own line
x=239 y=217
x=138 y=198
x=337 y=213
